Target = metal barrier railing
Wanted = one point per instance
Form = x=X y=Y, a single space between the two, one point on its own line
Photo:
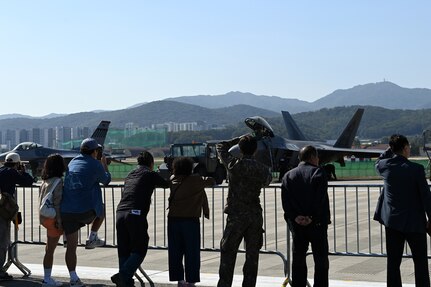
x=30 y=232
x=353 y=232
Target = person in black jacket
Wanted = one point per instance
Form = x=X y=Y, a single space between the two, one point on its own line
x=306 y=210
x=12 y=173
x=132 y=225
x=403 y=207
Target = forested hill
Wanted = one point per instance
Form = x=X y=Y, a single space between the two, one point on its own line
x=323 y=124
x=376 y=122
x=328 y=124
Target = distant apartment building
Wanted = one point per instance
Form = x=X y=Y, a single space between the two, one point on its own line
x=176 y=127
x=63 y=135
x=11 y=138
x=80 y=132
x=37 y=135
x=58 y=137
x=48 y=137
x=24 y=136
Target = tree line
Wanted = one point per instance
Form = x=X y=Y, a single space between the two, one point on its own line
x=327 y=124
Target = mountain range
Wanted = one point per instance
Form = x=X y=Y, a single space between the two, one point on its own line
x=229 y=108
x=383 y=94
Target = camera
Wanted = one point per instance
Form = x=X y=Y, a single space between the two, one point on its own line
x=20 y=167
x=99 y=152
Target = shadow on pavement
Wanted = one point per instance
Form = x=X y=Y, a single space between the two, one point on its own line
x=37 y=282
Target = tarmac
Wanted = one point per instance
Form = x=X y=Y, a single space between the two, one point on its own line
x=95 y=267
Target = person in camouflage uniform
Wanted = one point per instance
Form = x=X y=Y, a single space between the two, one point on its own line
x=246 y=177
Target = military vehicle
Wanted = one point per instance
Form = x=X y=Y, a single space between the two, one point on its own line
x=204 y=155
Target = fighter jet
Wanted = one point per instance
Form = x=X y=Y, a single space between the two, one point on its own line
x=281 y=154
x=34 y=154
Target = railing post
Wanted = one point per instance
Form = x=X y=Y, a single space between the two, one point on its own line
x=13 y=250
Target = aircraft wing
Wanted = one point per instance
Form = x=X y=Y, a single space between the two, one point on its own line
x=275 y=151
x=335 y=154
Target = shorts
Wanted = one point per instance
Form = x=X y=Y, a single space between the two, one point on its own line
x=72 y=222
x=51 y=230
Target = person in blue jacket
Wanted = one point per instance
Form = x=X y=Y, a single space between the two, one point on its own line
x=82 y=203
x=403 y=207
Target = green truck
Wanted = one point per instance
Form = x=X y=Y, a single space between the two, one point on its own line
x=204 y=155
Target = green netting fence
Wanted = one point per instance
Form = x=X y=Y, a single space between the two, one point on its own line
x=119 y=171
x=143 y=138
x=120 y=139
x=354 y=170
x=365 y=169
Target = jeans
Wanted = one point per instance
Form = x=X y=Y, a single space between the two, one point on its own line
x=184 y=242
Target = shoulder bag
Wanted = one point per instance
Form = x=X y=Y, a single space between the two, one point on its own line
x=47 y=204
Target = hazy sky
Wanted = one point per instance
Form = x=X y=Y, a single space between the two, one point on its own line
x=82 y=55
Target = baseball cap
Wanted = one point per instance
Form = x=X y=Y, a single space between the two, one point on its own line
x=13 y=158
x=89 y=144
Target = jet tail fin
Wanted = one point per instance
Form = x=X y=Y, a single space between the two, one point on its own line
x=100 y=133
x=349 y=133
x=293 y=131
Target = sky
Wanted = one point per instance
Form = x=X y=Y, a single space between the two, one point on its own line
x=84 y=55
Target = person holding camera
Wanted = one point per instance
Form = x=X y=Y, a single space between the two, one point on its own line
x=82 y=203
x=246 y=178
x=12 y=173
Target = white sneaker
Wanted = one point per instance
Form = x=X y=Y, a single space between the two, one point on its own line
x=76 y=283
x=51 y=283
x=97 y=242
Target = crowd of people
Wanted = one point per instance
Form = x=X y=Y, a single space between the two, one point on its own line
x=404 y=208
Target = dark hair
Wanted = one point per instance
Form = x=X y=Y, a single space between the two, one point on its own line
x=53 y=167
x=183 y=166
x=145 y=158
x=247 y=144
x=307 y=152
x=397 y=143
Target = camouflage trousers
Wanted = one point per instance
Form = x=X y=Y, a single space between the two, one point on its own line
x=238 y=227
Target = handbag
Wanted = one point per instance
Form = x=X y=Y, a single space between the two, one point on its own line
x=8 y=206
x=47 y=204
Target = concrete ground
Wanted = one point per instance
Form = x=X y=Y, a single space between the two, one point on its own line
x=96 y=266
x=351 y=230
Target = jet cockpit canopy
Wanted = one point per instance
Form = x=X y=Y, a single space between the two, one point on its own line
x=260 y=126
x=27 y=146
